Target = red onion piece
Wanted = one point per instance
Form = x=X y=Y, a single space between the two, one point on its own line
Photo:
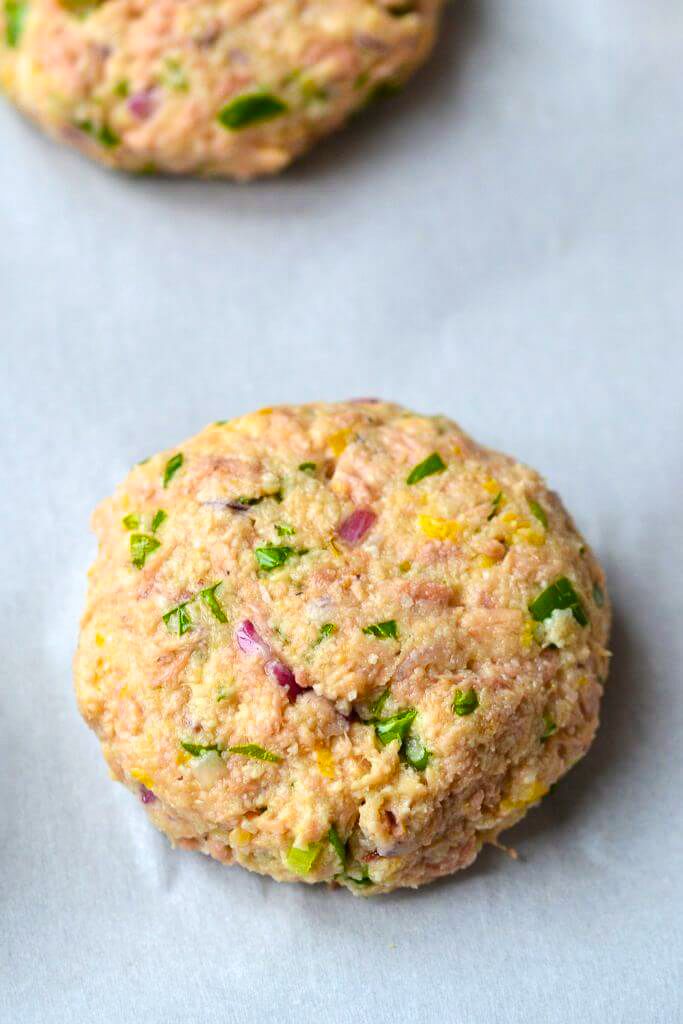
x=249 y=640
x=146 y=795
x=142 y=104
x=284 y=676
x=354 y=527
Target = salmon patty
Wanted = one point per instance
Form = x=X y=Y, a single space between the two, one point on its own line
x=340 y=643
x=233 y=88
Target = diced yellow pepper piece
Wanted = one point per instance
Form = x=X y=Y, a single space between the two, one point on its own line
x=141 y=776
x=240 y=837
x=325 y=762
x=440 y=529
x=338 y=441
x=527 y=637
x=492 y=486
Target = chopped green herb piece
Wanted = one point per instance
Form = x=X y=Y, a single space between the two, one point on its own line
x=272 y=556
x=465 y=702
x=122 y=88
x=377 y=705
x=538 y=511
x=142 y=545
x=327 y=629
x=559 y=595
x=432 y=464
x=224 y=695
x=208 y=596
x=177 y=620
x=100 y=133
x=172 y=467
x=363 y=880
x=598 y=595
x=15 y=16
x=255 y=752
x=174 y=76
x=243 y=500
x=383 y=629
x=197 y=750
x=250 y=108
x=131 y=521
x=307 y=467
x=396 y=727
x=158 y=519
x=283 y=530
x=549 y=727
x=495 y=505
x=337 y=845
x=415 y=753
x=313 y=92
x=302 y=861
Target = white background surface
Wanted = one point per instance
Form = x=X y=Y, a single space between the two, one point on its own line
x=503 y=243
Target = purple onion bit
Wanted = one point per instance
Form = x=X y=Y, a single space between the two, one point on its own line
x=354 y=527
x=249 y=640
x=146 y=795
x=142 y=104
x=284 y=677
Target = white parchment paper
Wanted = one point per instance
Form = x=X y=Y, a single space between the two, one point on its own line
x=503 y=243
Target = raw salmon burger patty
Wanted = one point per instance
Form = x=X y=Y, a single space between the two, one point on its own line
x=340 y=643
x=232 y=88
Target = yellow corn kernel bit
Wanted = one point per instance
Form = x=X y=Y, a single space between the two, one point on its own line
x=439 y=529
x=325 y=762
x=528 y=795
x=265 y=411
x=405 y=566
x=457 y=450
x=240 y=837
x=492 y=486
x=485 y=562
x=182 y=757
x=99 y=640
x=583 y=681
x=338 y=441
x=528 y=633
x=144 y=777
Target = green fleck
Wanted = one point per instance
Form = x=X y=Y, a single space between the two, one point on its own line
x=224 y=695
x=142 y=545
x=243 y=500
x=197 y=750
x=172 y=467
x=364 y=879
x=122 y=88
x=396 y=727
x=131 y=521
x=157 y=520
x=301 y=861
x=312 y=91
x=549 y=727
x=598 y=595
x=415 y=753
x=539 y=512
x=377 y=705
x=465 y=702
x=495 y=505
x=208 y=596
x=283 y=530
x=383 y=629
x=15 y=16
x=250 y=108
x=255 y=752
x=272 y=556
x=101 y=133
x=559 y=595
x=220 y=423
x=174 y=76
x=307 y=467
x=327 y=629
x=337 y=845
x=432 y=464
x=177 y=620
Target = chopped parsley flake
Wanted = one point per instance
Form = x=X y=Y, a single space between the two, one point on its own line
x=172 y=467
x=208 y=596
x=339 y=847
x=100 y=133
x=415 y=753
x=255 y=752
x=396 y=727
x=465 y=702
x=559 y=595
x=272 y=556
x=158 y=519
x=141 y=545
x=383 y=630
x=377 y=705
x=538 y=511
x=327 y=629
x=15 y=16
x=549 y=727
x=249 y=109
x=432 y=464
x=301 y=861
x=598 y=595
x=283 y=530
x=177 y=620
x=495 y=505
x=307 y=467
x=198 y=750
x=131 y=521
